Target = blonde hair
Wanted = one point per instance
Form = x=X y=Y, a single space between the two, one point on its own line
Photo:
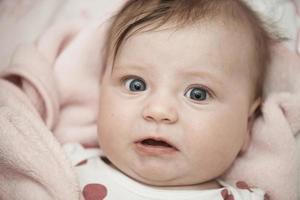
x=137 y=15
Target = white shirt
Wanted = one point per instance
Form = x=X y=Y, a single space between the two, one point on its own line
x=93 y=170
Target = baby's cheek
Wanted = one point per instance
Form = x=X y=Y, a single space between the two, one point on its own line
x=107 y=106
x=106 y=116
x=112 y=115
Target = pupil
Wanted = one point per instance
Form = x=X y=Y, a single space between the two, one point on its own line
x=136 y=85
x=198 y=94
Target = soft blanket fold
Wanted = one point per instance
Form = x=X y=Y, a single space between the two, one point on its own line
x=51 y=89
x=32 y=164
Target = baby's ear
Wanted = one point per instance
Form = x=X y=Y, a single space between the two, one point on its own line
x=253 y=112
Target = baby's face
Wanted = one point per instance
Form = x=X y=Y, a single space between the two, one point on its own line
x=175 y=108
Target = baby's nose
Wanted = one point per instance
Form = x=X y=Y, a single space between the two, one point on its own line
x=160 y=110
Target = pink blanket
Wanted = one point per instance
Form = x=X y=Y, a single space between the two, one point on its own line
x=49 y=96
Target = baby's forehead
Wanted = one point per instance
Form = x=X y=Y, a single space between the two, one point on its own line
x=179 y=32
x=210 y=45
x=207 y=34
x=235 y=28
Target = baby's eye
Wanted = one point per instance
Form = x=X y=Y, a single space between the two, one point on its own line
x=197 y=94
x=135 y=85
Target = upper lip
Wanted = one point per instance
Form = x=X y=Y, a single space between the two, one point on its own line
x=161 y=139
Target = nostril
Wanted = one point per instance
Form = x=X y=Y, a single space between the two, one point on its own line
x=160 y=114
x=166 y=120
x=149 y=118
x=157 y=119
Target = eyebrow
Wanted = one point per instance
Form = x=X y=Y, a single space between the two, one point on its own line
x=187 y=72
x=131 y=66
x=193 y=73
x=126 y=67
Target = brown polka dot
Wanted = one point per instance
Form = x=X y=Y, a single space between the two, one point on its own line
x=243 y=185
x=81 y=163
x=224 y=193
x=230 y=197
x=94 y=191
x=266 y=197
x=226 y=196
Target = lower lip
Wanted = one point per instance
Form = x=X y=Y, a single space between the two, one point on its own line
x=154 y=150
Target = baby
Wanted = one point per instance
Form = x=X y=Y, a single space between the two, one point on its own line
x=181 y=88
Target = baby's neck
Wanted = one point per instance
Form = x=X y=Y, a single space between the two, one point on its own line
x=213 y=184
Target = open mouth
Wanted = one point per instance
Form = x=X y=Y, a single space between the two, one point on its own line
x=155 y=146
x=156 y=143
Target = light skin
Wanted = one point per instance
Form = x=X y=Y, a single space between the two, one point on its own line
x=177 y=106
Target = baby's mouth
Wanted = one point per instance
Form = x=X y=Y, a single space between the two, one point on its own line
x=156 y=143
x=155 y=146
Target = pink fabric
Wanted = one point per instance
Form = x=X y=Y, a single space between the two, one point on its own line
x=271 y=160
x=51 y=89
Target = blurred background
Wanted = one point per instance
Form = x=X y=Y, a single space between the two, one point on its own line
x=23 y=21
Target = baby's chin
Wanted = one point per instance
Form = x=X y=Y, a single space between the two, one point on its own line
x=161 y=180
x=155 y=180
